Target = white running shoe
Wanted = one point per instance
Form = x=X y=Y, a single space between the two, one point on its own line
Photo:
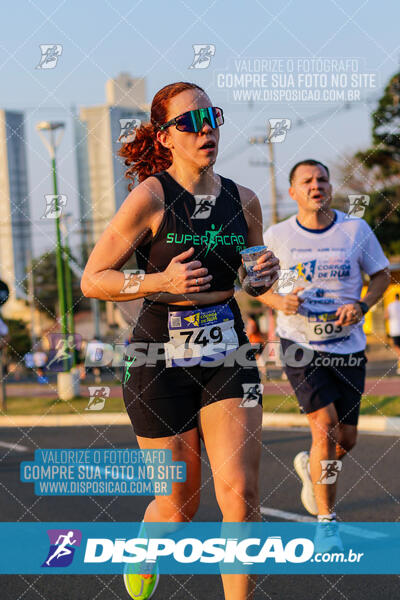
x=327 y=538
x=301 y=464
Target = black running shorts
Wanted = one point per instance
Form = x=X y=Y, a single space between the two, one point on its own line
x=328 y=378
x=163 y=401
x=396 y=340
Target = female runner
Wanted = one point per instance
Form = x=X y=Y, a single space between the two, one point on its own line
x=187 y=226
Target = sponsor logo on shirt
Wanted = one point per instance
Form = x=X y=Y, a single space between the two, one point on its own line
x=210 y=239
x=331 y=269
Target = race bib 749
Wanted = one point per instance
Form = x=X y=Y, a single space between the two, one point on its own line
x=205 y=334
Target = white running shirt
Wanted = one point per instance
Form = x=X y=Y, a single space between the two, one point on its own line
x=394 y=318
x=329 y=263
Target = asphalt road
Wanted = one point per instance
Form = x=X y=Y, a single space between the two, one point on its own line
x=369 y=491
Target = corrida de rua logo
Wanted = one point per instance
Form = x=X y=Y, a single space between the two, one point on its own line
x=211 y=239
x=305 y=270
x=324 y=269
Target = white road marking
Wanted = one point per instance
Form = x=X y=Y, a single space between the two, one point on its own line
x=15 y=447
x=288 y=516
x=350 y=529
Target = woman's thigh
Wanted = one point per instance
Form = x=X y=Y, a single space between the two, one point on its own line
x=185 y=495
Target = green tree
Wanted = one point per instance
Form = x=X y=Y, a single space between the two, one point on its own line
x=385 y=152
x=45 y=286
x=19 y=341
x=382 y=160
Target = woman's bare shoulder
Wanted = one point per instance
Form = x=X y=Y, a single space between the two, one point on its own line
x=250 y=202
x=147 y=195
x=246 y=194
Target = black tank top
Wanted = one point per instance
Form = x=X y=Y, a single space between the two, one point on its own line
x=216 y=228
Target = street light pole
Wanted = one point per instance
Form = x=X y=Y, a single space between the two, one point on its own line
x=68 y=284
x=65 y=379
x=59 y=256
x=31 y=297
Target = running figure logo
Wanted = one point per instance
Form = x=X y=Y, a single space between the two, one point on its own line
x=62 y=349
x=128 y=363
x=252 y=394
x=128 y=130
x=330 y=471
x=54 y=206
x=278 y=129
x=62 y=550
x=212 y=242
x=202 y=55
x=357 y=205
x=203 y=207
x=50 y=55
x=98 y=396
x=286 y=281
x=132 y=280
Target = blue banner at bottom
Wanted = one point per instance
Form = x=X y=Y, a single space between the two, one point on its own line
x=200 y=548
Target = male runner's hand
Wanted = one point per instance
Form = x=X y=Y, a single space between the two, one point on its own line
x=290 y=303
x=184 y=278
x=349 y=314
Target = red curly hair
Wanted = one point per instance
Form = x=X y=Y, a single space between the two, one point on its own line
x=145 y=155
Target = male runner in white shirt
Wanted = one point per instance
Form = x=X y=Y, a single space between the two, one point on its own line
x=320 y=325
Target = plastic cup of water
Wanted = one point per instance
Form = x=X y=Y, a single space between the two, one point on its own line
x=249 y=259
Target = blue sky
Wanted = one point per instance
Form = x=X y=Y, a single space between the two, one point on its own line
x=155 y=39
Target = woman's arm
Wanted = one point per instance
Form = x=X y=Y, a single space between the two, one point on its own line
x=138 y=217
x=268 y=264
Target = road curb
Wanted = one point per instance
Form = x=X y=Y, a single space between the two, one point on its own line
x=366 y=422
x=83 y=420
x=390 y=425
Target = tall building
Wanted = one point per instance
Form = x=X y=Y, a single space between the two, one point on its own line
x=126 y=90
x=101 y=172
x=15 y=220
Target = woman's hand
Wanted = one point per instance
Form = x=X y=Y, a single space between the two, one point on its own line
x=185 y=278
x=266 y=269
